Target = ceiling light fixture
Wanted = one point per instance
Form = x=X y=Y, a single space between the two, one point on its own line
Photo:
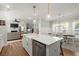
x=34 y=21
x=7 y=6
x=34 y=7
x=48 y=15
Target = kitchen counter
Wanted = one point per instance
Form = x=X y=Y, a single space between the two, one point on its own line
x=41 y=45
x=45 y=39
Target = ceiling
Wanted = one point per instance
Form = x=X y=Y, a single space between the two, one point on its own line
x=57 y=10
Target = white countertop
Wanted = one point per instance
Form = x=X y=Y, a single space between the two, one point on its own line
x=45 y=39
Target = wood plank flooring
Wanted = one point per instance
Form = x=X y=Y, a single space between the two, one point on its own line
x=14 y=48
x=68 y=52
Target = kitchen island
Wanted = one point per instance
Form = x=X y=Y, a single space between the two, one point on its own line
x=41 y=45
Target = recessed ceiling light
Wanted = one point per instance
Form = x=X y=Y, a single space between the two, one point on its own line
x=7 y=6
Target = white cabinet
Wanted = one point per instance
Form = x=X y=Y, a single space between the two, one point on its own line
x=27 y=44
x=0 y=45
x=1 y=42
x=3 y=36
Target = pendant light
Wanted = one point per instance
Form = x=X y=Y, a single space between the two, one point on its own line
x=48 y=15
x=8 y=6
x=34 y=7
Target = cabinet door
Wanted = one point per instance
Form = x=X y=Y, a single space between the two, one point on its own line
x=39 y=49
x=0 y=43
x=24 y=41
x=29 y=46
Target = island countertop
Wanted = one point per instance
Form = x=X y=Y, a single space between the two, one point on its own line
x=45 y=39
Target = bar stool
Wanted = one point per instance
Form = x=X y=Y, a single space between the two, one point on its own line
x=61 y=49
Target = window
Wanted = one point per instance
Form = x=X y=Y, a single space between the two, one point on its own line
x=77 y=27
x=60 y=27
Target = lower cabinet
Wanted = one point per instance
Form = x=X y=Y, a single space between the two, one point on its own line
x=27 y=44
x=36 y=48
x=39 y=49
x=0 y=45
x=33 y=47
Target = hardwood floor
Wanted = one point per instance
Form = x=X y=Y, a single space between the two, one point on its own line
x=68 y=52
x=14 y=49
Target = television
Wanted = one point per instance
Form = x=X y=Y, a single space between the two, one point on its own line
x=14 y=25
